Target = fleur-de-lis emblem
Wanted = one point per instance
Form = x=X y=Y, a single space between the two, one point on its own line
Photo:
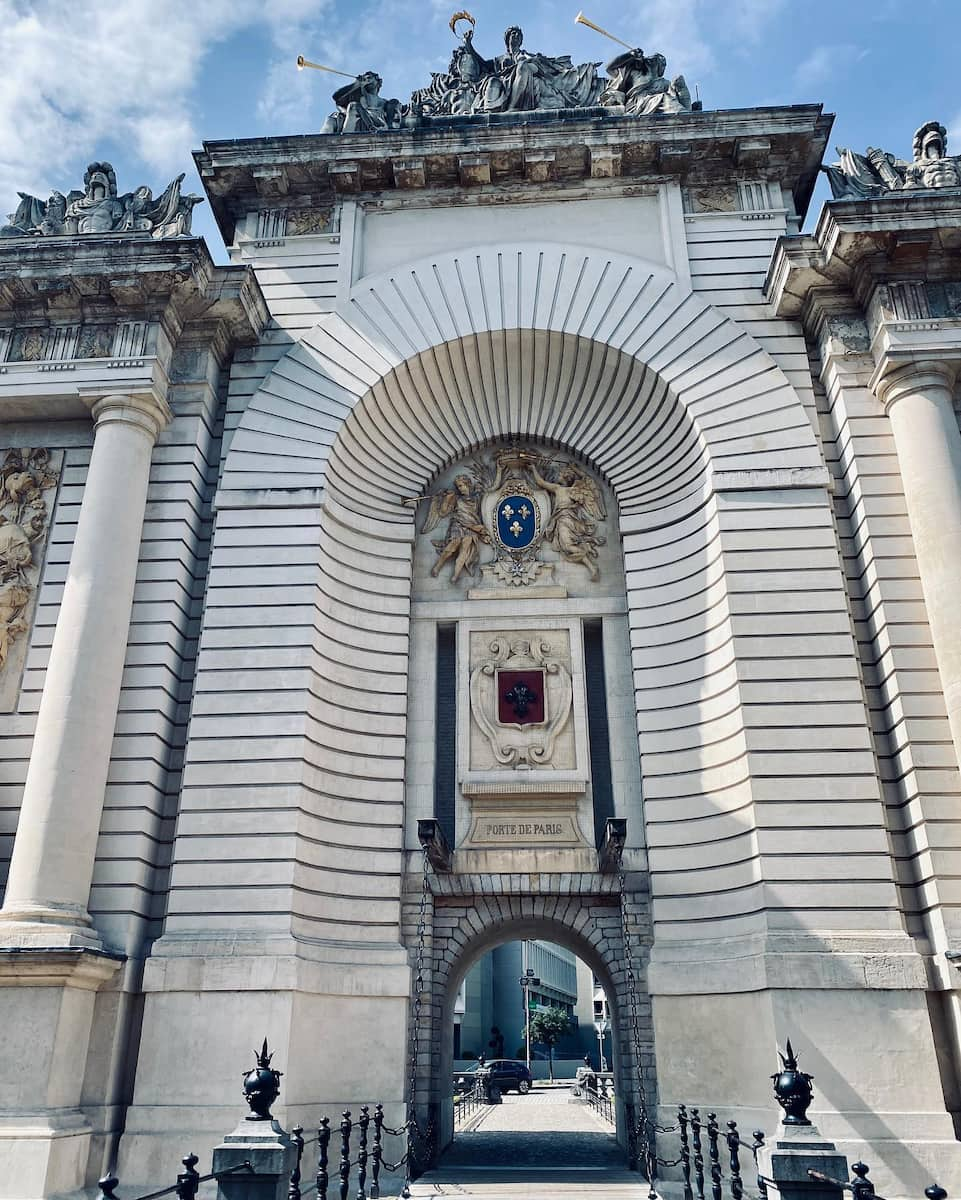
x=507 y=512
x=517 y=529
x=525 y=511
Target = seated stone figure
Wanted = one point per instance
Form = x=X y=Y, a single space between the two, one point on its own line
x=516 y=81
x=362 y=109
x=637 y=84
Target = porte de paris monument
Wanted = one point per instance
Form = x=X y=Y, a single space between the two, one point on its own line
x=530 y=534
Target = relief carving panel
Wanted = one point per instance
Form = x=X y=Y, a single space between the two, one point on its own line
x=28 y=480
x=503 y=510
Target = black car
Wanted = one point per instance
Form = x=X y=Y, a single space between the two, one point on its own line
x=507 y=1074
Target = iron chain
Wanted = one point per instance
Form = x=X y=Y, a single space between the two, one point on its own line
x=411 y=1123
x=645 y=1130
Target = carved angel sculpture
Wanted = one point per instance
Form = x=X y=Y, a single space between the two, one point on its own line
x=24 y=477
x=466 y=530
x=578 y=506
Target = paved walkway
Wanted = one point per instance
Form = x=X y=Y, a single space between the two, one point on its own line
x=539 y=1145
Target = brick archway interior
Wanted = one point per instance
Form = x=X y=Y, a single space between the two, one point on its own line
x=468 y=915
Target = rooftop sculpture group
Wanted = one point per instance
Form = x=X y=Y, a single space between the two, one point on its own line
x=875 y=173
x=516 y=81
x=99 y=209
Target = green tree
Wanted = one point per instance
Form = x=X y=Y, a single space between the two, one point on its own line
x=548 y=1026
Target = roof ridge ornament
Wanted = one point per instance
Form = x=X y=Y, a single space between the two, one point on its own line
x=515 y=82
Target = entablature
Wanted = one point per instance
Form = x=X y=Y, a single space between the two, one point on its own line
x=520 y=150
x=77 y=309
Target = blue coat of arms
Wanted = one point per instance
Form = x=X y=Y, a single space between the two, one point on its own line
x=517 y=521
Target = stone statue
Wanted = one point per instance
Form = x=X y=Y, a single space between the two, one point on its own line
x=932 y=167
x=466 y=530
x=874 y=173
x=362 y=109
x=26 y=474
x=516 y=81
x=99 y=209
x=638 y=86
x=515 y=502
x=572 y=527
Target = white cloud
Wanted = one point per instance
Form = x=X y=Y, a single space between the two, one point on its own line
x=673 y=28
x=827 y=60
x=79 y=75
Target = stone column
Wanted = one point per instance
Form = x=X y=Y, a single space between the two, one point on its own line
x=918 y=399
x=56 y=842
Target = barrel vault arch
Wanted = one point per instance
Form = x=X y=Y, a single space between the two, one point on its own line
x=394 y=343
x=605 y=355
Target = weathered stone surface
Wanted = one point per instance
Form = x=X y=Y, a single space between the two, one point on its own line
x=859 y=176
x=99 y=209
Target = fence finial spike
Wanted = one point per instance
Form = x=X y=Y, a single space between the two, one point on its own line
x=106 y=1185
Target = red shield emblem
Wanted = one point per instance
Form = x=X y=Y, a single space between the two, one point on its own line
x=520 y=697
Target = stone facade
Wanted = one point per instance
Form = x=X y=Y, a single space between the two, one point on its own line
x=269 y=631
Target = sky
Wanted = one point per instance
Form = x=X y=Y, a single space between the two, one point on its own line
x=142 y=85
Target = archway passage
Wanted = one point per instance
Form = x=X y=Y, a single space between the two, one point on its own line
x=582 y=914
x=545 y=1065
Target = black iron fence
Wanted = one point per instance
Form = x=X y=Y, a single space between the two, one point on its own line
x=723 y=1164
x=470 y=1099
x=599 y=1094
x=697 y=1150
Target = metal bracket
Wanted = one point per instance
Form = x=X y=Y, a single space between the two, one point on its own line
x=431 y=838
x=612 y=848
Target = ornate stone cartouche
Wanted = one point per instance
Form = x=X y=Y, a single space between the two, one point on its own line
x=516 y=81
x=877 y=173
x=792 y=1089
x=514 y=503
x=261 y=1086
x=99 y=209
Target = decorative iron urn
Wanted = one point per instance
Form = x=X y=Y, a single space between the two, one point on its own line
x=261 y=1086
x=792 y=1089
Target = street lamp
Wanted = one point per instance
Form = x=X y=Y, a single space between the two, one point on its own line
x=601 y=1025
x=527 y=981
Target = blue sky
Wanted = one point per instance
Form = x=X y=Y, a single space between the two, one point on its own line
x=143 y=84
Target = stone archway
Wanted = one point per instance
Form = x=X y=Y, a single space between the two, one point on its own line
x=601 y=354
x=466 y=919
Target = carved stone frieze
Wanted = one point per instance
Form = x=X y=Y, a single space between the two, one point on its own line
x=58 y=343
x=505 y=508
x=521 y=696
x=28 y=478
x=99 y=209
x=876 y=172
x=302 y=221
x=96 y=341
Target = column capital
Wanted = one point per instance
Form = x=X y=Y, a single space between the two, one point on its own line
x=895 y=378
x=145 y=410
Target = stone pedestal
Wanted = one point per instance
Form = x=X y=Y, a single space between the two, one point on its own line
x=46 y=1012
x=794 y=1151
x=271 y=1154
